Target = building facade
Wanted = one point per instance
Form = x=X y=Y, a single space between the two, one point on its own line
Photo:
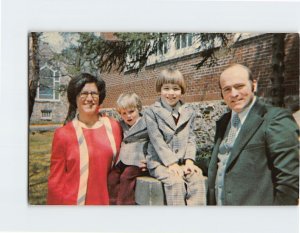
x=254 y=51
x=202 y=84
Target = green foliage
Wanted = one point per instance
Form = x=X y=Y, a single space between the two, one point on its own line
x=130 y=51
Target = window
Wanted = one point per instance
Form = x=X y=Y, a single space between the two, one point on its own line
x=183 y=40
x=173 y=46
x=48 y=84
x=163 y=49
x=46 y=114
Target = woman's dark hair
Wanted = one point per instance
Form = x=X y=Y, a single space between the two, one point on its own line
x=74 y=88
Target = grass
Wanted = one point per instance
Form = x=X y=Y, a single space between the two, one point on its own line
x=38 y=168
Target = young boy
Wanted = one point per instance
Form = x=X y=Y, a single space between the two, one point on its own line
x=131 y=162
x=172 y=148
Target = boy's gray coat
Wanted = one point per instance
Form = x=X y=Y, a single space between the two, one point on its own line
x=169 y=143
x=134 y=144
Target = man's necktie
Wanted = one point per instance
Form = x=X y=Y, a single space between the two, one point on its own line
x=175 y=115
x=229 y=141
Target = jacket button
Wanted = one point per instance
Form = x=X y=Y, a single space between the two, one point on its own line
x=176 y=151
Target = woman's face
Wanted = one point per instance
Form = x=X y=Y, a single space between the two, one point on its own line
x=88 y=100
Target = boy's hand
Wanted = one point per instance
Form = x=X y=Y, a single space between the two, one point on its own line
x=143 y=165
x=176 y=169
x=190 y=168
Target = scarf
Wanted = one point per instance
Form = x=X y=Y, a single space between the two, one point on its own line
x=84 y=154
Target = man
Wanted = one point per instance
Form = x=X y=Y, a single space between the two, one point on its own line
x=255 y=160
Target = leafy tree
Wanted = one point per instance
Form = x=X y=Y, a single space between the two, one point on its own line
x=34 y=69
x=131 y=50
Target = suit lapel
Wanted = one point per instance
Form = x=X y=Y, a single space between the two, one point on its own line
x=221 y=129
x=249 y=127
x=139 y=126
x=185 y=115
x=135 y=129
x=165 y=115
x=222 y=125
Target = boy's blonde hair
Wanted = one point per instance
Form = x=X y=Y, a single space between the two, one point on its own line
x=172 y=76
x=129 y=100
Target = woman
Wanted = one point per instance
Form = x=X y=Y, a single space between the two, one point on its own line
x=84 y=149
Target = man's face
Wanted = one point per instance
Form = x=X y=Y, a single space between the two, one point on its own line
x=237 y=89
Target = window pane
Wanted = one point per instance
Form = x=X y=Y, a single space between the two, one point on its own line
x=56 y=76
x=158 y=50
x=46 y=88
x=177 y=42
x=190 y=36
x=46 y=72
x=165 y=50
x=56 y=92
x=183 y=41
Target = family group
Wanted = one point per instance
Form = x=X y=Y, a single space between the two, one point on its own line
x=95 y=160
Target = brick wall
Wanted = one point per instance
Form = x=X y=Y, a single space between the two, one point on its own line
x=255 y=52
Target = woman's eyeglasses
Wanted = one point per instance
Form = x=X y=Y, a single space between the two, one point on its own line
x=84 y=94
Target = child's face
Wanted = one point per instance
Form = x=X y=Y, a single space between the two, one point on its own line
x=129 y=115
x=170 y=93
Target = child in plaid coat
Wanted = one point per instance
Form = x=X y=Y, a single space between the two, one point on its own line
x=172 y=147
x=131 y=161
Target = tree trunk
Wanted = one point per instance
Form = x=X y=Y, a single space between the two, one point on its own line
x=33 y=70
x=277 y=89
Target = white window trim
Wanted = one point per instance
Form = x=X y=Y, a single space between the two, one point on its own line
x=46 y=117
x=53 y=91
x=172 y=52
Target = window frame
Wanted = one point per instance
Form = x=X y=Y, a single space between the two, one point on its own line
x=55 y=85
x=183 y=41
x=46 y=114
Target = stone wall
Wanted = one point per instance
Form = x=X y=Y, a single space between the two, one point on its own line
x=207 y=113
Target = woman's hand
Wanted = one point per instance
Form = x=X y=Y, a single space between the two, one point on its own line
x=190 y=168
x=176 y=169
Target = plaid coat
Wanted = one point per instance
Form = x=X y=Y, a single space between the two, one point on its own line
x=134 y=144
x=169 y=143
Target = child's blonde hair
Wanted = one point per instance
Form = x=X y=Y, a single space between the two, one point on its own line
x=172 y=76
x=129 y=100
